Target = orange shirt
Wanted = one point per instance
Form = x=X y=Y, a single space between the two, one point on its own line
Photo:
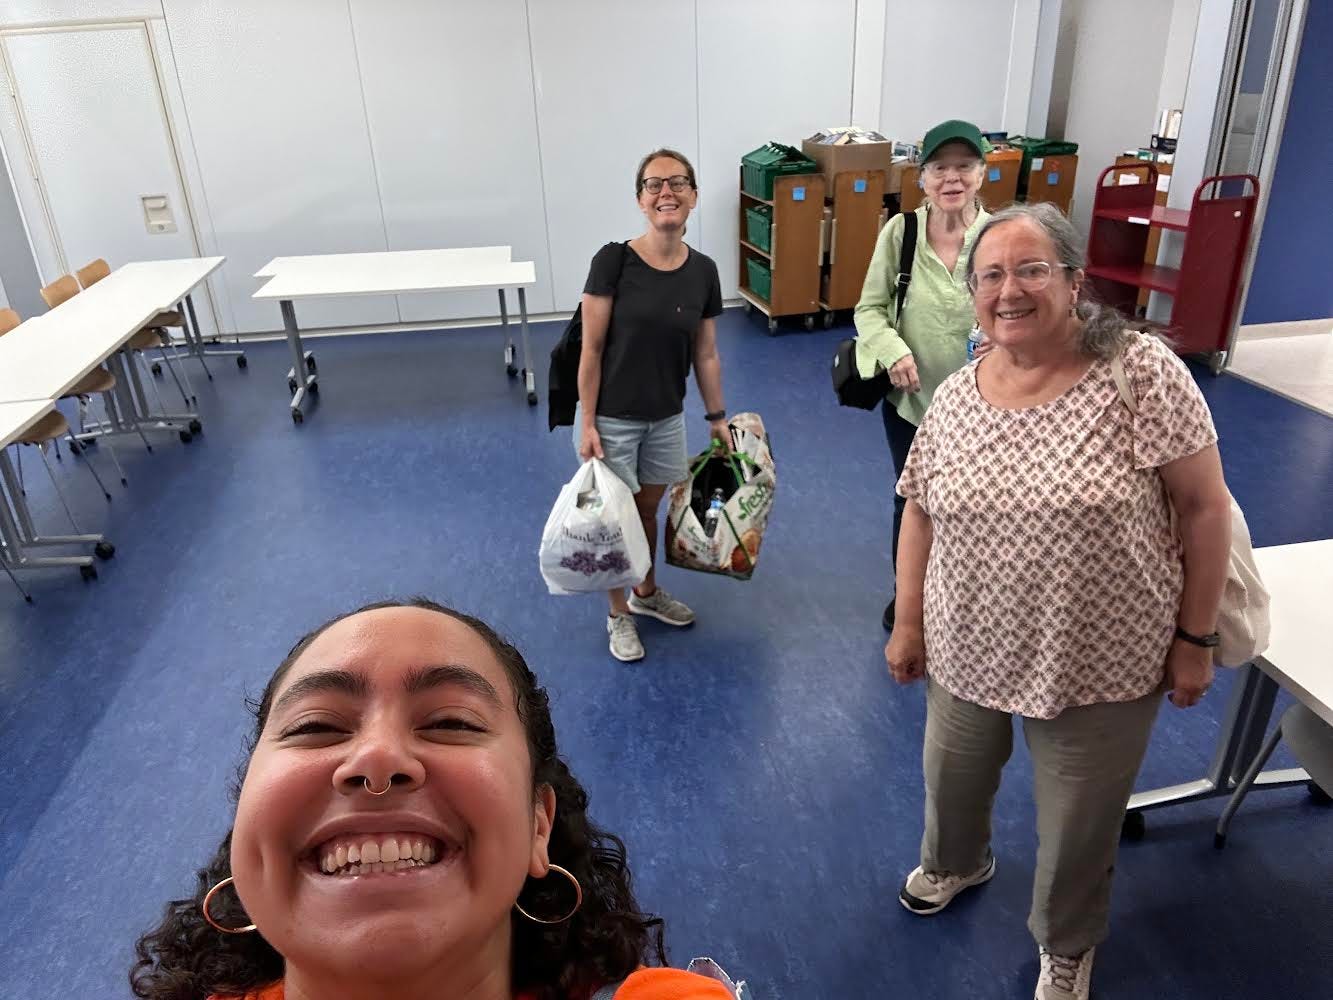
x=646 y=984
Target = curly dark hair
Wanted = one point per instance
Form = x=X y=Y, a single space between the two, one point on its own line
x=184 y=958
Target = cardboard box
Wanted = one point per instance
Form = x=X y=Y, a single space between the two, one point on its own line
x=852 y=156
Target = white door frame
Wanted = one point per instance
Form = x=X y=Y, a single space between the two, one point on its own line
x=30 y=187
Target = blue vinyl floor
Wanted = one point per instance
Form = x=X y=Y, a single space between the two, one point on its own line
x=762 y=767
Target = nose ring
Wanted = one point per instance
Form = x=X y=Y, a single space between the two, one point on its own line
x=382 y=791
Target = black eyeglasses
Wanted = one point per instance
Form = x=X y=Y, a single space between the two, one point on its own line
x=653 y=185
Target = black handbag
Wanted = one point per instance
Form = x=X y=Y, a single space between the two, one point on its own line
x=850 y=388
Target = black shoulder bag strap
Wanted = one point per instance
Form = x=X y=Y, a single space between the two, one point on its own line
x=905 y=263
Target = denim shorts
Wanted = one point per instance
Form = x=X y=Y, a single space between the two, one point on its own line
x=642 y=451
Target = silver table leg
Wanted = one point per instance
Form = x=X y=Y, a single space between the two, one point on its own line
x=19 y=534
x=529 y=378
x=510 y=368
x=194 y=340
x=1238 y=744
x=302 y=377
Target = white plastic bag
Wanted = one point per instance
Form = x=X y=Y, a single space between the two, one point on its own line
x=593 y=540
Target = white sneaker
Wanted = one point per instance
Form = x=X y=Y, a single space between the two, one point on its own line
x=926 y=892
x=1065 y=978
x=662 y=606
x=625 y=644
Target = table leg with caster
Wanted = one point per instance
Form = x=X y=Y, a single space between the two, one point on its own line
x=20 y=534
x=303 y=376
x=510 y=368
x=1239 y=743
x=530 y=379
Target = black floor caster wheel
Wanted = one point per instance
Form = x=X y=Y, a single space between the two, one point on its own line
x=88 y=572
x=74 y=447
x=291 y=387
x=241 y=362
x=1219 y=841
x=1135 y=827
x=313 y=388
x=829 y=320
x=809 y=324
x=104 y=550
x=195 y=427
x=156 y=369
x=310 y=365
x=511 y=371
x=1318 y=796
x=297 y=416
x=772 y=326
x=532 y=399
x=186 y=437
x=747 y=306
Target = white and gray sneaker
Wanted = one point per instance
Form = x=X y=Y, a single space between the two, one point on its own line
x=662 y=606
x=926 y=892
x=625 y=644
x=1065 y=978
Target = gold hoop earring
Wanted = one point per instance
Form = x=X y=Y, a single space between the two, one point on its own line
x=209 y=917
x=578 y=899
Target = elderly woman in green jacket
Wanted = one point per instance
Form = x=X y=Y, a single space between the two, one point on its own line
x=927 y=342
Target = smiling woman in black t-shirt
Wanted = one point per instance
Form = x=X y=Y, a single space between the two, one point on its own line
x=634 y=364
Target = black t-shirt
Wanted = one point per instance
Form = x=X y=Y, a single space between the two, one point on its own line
x=654 y=320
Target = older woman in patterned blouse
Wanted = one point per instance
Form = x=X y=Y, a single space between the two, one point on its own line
x=1039 y=576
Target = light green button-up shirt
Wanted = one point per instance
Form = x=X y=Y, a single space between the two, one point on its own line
x=937 y=314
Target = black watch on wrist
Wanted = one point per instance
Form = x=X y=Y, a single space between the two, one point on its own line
x=715 y=415
x=1208 y=641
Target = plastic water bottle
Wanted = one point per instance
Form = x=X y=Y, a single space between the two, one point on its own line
x=974 y=339
x=714 y=513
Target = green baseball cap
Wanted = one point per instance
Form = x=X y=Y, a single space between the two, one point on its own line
x=953 y=131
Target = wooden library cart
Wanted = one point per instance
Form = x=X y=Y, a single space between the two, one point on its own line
x=1205 y=288
x=855 y=215
x=780 y=252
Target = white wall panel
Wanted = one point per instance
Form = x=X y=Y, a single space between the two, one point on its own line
x=448 y=91
x=735 y=117
x=614 y=80
x=1112 y=103
x=278 y=123
x=212 y=304
x=18 y=12
x=945 y=60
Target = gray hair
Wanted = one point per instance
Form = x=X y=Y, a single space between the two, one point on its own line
x=1105 y=329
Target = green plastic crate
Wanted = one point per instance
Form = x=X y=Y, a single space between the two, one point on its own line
x=761 y=278
x=762 y=166
x=759 y=225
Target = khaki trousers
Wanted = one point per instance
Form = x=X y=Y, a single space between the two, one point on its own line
x=1084 y=763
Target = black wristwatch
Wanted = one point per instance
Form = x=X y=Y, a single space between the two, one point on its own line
x=1208 y=641
x=715 y=415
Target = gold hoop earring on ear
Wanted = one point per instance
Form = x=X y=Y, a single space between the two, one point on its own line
x=209 y=917
x=578 y=899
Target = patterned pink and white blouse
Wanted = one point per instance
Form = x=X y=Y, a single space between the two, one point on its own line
x=1054 y=577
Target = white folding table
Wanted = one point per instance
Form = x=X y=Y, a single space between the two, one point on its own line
x=395 y=272
x=1299 y=579
x=17 y=533
x=46 y=356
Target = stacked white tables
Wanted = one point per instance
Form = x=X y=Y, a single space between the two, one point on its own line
x=46 y=356
x=396 y=272
x=1298 y=659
